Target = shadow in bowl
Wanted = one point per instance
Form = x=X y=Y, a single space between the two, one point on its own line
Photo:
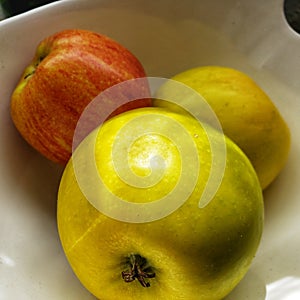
x=26 y=177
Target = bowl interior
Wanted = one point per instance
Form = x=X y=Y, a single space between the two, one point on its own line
x=168 y=37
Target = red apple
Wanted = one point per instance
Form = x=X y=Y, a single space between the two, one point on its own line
x=69 y=70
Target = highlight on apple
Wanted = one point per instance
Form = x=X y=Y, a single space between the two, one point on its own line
x=151 y=125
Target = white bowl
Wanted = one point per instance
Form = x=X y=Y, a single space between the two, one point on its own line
x=168 y=37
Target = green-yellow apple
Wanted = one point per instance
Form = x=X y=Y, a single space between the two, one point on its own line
x=247 y=115
x=69 y=69
x=130 y=213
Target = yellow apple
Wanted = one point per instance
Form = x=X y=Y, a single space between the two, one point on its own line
x=247 y=115
x=131 y=215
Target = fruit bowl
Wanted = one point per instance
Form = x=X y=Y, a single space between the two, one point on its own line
x=167 y=37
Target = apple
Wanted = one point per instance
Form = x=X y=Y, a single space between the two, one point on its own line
x=69 y=69
x=131 y=215
x=247 y=114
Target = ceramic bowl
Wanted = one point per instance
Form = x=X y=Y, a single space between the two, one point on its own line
x=168 y=37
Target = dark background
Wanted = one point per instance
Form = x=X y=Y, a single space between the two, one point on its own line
x=14 y=7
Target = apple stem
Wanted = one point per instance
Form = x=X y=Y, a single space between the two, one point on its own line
x=139 y=269
x=32 y=70
x=28 y=74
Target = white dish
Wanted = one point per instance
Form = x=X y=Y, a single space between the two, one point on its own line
x=168 y=37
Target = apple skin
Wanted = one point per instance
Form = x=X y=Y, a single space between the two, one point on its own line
x=247 y=115
x=195 y=253
x=69 y=69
